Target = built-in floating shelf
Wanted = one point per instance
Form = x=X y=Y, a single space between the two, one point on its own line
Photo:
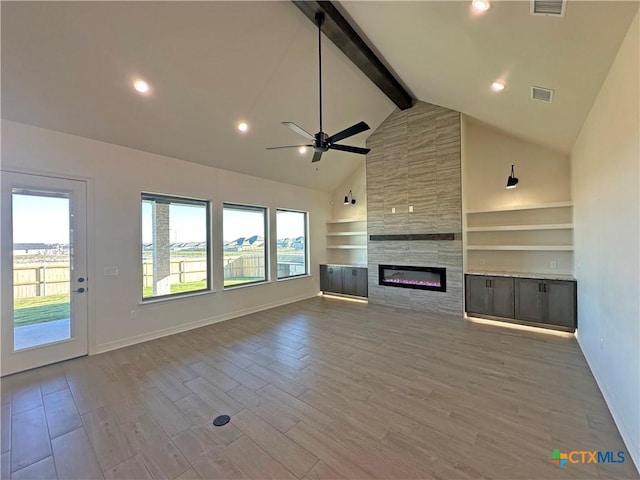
x=524 y=207
x=551 y=248
x=508 y=228
x=348 y=247
x=346 y=220
x=345 y=234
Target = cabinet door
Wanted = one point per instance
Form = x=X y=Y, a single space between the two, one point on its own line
x=501 y=296
x=349 y=280
x=477 y=294
x=530 y=300
x=324 y=278
x=362 y=289
x=561 y=303
x=335 y=279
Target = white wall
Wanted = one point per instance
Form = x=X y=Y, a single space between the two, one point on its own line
x=544 y=174
x=605 y=166
x=357 y=183
x=116 y=176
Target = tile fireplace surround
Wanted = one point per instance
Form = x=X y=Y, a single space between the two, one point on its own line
x=415 y=161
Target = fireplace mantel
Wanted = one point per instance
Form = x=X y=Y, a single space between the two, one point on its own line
x=412 y=236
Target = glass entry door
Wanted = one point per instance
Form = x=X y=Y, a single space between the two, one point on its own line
x=44 y=281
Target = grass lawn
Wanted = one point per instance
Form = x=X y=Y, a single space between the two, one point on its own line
x=32 y=310
x=147 y=292
x=28 y=311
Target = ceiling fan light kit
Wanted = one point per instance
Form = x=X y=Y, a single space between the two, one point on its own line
x=321 y=142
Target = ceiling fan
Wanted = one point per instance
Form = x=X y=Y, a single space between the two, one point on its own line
x=321 y=142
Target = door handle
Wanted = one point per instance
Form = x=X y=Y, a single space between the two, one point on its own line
x=80 y=290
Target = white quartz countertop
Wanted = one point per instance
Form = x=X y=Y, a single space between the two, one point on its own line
x=541 y=276
x=342 y=265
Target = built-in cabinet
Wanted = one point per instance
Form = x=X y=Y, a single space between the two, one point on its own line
x=344 y=279
x=490 y=295
x=545 y=302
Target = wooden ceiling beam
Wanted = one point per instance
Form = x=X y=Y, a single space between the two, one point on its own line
x=337 y=29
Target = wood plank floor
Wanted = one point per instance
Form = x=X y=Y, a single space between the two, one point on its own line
x=318 y=389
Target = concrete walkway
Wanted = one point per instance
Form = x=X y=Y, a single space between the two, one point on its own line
x=41 y=333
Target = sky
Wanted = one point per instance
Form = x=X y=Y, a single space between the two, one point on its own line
x=38 y=219
x=187 y=224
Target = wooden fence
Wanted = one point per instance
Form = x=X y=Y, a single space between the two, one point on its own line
x=183 y=270
x=40 y=280
x=53 y=279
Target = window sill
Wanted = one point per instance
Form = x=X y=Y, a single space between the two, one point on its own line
x=246 y=285
x=171 y=298
x=295 y=277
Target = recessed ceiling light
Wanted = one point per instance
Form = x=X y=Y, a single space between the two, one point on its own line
x=141 y=86
x=497 y=86
x=481 y=5
x=302 y=149
x=243 y=126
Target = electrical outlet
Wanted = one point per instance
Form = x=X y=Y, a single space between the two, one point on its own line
x=410 y=208
x=483 y=262
x=133 y=314
x=393 y=209
x=553 y=264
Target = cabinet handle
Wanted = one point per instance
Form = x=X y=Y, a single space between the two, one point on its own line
x=486 y=282
x=544 y=287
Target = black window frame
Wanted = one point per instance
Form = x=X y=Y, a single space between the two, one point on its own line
x=306 y=242
x=169 y=199
x=265 y=212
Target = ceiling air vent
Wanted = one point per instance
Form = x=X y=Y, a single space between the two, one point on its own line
x=551 y=8
x=542 y=94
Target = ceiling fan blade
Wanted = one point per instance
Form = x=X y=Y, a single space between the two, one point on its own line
x=348 y=132
x=289 y=146
x=298 y=130
x=349 y=148
x=316 y=157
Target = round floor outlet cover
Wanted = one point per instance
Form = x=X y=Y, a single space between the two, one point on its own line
x=221 y=420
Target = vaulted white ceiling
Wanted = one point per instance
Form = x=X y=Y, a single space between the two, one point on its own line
x=68 y=66
x=447 y=54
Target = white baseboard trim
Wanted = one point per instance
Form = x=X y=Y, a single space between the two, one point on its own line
x=145 y=337
x=627 y=438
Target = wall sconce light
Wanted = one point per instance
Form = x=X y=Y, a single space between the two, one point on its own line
x=346 y=199
x=512 y=181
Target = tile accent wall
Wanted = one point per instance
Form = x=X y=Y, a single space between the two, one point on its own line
x=415 y=161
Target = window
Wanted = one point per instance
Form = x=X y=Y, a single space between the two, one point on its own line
x=292 y=243
x=245 y=239
x=175 y=246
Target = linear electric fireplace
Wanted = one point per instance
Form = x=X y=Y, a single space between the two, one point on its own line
x=423 y=278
